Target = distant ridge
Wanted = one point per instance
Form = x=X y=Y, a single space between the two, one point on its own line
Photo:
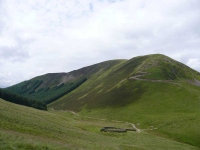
x=49 y=87
x=153 y=91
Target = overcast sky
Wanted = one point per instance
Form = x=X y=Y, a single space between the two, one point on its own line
x=43 y=36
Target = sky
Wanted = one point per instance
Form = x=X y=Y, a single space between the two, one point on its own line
x=49 y=36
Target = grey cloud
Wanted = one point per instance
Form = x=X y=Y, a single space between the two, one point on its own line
x=17 y=53
x=4 y=83
x=1 y=22
x=174 y=32
x=1 y=26
x=169 y=38
x=13 y=53
x=1 y=3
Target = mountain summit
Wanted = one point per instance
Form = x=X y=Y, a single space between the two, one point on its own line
x=105 y=78
x=153 y=91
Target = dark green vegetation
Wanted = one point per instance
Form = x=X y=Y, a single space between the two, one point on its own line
x=18 y=99
x=152 y=90
x=47 y=88
x=30 y=89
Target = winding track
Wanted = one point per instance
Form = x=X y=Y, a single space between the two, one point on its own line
x=134 y=127
x=137 y=130
x=137 y=77
x=117 y=121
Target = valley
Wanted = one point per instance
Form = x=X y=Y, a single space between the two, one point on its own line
x=154 y=94
x=27 y=128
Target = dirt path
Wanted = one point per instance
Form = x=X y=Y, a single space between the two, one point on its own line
x=137 y=130
x=117 y=121
x=74 y=113
x=195 y=82
x=137 y=77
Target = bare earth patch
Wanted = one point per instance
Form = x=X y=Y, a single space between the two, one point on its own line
x=195 y=82
x=137 y=77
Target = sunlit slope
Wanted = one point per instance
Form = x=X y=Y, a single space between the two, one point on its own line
x=47 y=88
x=152 y=90
x=27 y=128
x=118 y=86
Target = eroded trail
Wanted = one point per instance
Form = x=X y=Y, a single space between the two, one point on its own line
x=117 y=121
x=137 y=77
x=137 y=130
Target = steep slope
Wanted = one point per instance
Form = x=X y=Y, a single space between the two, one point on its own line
x=47 y=88
x=153 y=90
x=120 y=86
x=26 y=128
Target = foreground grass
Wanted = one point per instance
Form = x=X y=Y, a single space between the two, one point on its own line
x=26 y=128
x=174 y=109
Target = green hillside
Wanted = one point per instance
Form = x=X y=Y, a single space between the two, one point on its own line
x=126 y=83
x=159 y=94
x=153 y=90
x=26 y=128
x=47 y=88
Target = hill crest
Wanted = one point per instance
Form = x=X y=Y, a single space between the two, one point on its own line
x=151 y=90
x=51 y=86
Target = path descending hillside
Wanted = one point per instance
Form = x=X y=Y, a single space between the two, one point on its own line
x=26 y=128
x=161 y=96
x=115 y=87
x=153 y=91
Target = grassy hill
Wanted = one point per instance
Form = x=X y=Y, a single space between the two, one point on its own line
x=26 y=128
x=49 y=87
x=152 y=90
x=127 y=82
x=156 y=92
